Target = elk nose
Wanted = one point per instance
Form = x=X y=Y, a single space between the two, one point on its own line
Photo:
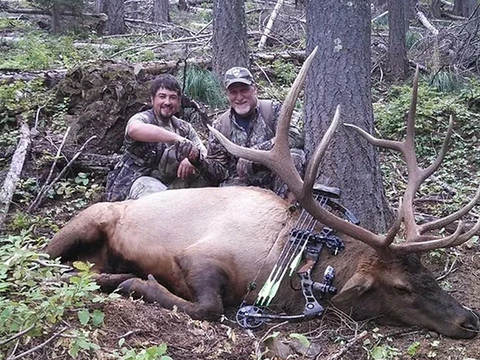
x=471 y=322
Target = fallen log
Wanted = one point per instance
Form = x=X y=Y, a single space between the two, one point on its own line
x=13 y=175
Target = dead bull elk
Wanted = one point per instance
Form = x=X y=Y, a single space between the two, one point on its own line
x=205 y=246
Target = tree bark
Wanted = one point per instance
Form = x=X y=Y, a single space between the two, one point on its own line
x=229 y=40
x=116 y=13
x=101 y=6
x=435 y=8
x=340 y=74
x=161 y=12
x=397 y=53
x=464 y=8
x=409 y=12
x=182 y=5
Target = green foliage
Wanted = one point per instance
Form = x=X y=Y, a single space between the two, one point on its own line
x=433 y=111
x=16 y=98
x=411 y=39
x=202 y=85
x=10 y=24
x=412 y=348
x=302 y=339
x=27 y=303
x=380 y=348
x=155 y=352
x=22 y=223
x=74 y=6
x=59 y=110
x=380 y=23
x=445 y=81
x=285 y=72
x=70 y=187
x=36 y=51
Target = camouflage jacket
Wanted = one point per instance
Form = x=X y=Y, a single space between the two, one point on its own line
x=156 y=159
x=220 y=167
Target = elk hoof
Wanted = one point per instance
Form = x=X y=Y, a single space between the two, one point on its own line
x=151 y=278
x=129 y=286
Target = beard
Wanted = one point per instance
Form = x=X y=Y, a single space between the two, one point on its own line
x=243 y=110
x=165 y=113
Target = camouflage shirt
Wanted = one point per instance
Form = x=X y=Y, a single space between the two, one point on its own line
x=156 y=159
x=220 y=166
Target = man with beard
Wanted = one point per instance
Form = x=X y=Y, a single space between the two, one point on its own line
x=252 y=123
x=151 y=162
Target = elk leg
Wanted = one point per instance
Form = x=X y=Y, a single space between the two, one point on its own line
x=109 y=282
x=206 y=289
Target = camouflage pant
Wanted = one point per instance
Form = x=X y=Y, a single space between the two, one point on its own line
x=146 y=185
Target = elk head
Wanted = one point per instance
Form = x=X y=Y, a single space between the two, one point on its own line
x=418 y=238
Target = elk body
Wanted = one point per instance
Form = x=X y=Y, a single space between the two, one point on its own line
x=205 y=246
x=205 y=259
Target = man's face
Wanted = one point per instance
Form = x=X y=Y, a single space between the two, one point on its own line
x=165 y=103
x=242 y=98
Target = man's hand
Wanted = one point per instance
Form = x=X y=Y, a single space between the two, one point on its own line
x=186 y=149
x=185 y=169
x=244 y=169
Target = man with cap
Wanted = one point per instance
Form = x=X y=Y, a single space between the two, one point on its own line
x=158 y=146
x=251 y=123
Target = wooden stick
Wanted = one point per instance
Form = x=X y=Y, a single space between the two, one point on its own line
x=347 y=346
x=13 y=175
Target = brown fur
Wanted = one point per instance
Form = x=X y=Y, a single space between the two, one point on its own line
x=203 y=247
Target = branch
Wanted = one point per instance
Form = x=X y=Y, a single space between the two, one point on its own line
x=17 y=335
x=54 y=336
x=347 y=346
x=42 y=194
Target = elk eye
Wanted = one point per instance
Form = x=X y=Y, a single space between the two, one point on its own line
x=401 y=289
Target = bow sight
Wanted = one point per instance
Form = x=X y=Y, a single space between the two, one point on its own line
x=300 y=254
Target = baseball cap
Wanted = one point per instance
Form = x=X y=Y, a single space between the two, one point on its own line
x=238 y=74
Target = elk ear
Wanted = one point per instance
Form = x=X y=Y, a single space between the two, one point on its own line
x=355 y=286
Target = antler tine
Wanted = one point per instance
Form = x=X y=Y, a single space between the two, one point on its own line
x=439 y=223
x=428 y=243
x=436 y=164
x=314 y=163
x=390 y=237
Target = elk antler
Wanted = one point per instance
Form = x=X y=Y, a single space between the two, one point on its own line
x=279 y=160
x=417 y=237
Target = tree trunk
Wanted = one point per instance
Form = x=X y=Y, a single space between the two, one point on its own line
x=101 y=6
x=116 y=13
x=161 y=12
x=435 y=8
x=182 y=5
x=464 y=8
x=340 y=74
x=229 y=40
x=397 y=53
x=55 y=20
x=409 y=12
